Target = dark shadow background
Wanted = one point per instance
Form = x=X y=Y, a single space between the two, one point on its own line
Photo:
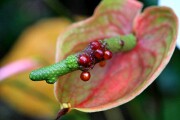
x=160 y=101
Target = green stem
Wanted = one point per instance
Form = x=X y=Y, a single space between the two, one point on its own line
x=70 y=64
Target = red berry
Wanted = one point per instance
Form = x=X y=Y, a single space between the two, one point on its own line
x=99 y=54
x=84 y=60
x=95 y=45
x=102 y=63
x=85 y=76
x=107 y=54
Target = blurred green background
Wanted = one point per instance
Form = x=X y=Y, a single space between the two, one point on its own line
x=160 y=101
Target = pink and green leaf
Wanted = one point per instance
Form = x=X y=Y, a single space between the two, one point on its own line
x=156 y=31
x=127 y=74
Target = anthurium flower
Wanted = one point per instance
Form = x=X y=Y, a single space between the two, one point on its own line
x=127 y=74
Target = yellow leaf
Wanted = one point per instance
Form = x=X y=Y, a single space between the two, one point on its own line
x=26 y=96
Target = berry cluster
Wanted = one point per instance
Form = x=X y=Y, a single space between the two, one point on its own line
x=96 y=52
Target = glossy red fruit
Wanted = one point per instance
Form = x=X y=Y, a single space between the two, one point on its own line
x=99 y=54
x=95 y=45
x=107 y=54
x=84 y=60
x=85 y=76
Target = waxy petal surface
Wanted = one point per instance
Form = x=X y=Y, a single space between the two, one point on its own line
x=156 y=30
x=127 y=74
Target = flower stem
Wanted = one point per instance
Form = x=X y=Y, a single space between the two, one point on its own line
x=70 y=64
